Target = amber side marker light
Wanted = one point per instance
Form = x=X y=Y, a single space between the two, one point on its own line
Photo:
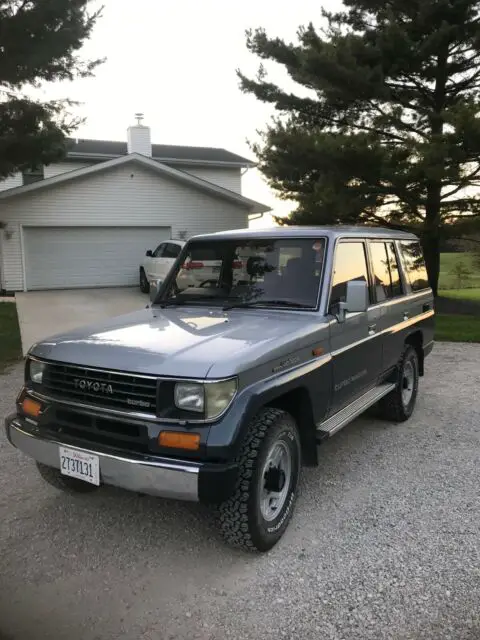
x=31 y=407
x=178 y=440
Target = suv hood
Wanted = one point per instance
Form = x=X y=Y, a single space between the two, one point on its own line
x=178 y=342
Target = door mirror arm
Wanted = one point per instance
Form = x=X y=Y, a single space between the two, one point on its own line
x=339 y=310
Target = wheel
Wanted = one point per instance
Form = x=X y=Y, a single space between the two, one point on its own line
x=399 y=404
x=144 y=284
x=257 y=514
x=69 y=485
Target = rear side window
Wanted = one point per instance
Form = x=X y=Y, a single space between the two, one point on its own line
x=397 y=288
x=350 y=264
x=414 y=262
x=386 y=277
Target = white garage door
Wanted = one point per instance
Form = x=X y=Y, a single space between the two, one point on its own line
x=68 y=257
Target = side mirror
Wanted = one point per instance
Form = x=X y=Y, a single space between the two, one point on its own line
x=154 y=289
x=149 y=254
x=356 y=299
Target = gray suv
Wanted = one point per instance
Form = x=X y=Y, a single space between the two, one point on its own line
x=222 y=389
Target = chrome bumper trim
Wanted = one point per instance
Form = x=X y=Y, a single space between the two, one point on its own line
x=167 y=479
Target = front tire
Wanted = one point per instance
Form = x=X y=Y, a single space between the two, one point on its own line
x=399 y=404
x=257 y=514
x=144 y=284
x=64 y=483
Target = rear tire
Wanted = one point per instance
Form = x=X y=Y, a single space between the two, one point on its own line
x=144 y=284
x=257 y=514
x=64 y=483
x=399 y=404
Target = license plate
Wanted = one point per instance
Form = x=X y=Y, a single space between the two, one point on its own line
x=76 y=464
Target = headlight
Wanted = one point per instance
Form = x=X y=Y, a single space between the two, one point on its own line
x=211 y=399
x=36 y=371
x=190 y=396
x=219 y=396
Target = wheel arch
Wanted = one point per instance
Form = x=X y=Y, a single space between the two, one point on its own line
x=298 y=403
x=415 y=340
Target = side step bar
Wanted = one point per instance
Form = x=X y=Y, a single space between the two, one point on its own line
x=342 y=418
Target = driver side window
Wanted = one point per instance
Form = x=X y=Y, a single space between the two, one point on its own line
x=350 y=264
x=159 y=250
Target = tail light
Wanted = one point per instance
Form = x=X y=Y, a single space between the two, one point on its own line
x=192 y=265
x=237 y=264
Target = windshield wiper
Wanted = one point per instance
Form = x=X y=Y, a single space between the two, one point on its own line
x=170 y=302
x=245 y=304
x=176 y=300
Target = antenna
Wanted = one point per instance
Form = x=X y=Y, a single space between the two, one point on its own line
x=139 y=117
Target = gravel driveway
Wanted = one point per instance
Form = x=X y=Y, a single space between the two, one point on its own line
x=384 y=543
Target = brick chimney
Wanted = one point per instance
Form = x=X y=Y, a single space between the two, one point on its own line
x=139 y=138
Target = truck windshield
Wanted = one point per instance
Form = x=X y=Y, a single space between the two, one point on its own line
x=260 y=271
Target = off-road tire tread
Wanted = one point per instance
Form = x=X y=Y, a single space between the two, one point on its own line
x=233 y=514
x=391 y=406
x=64 y=483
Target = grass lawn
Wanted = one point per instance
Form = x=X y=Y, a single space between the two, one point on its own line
x=449 y=328
x=462 y=294
x=10 y=343
x=449 y=281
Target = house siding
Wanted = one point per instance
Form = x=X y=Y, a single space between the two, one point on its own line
x=124 y=196
x=224 y=177
x=11 y=182
x=56 y=168
x=50 y=171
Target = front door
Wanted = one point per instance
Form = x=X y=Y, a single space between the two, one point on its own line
x=159 y=264
x=356 y=350
x=152 y=263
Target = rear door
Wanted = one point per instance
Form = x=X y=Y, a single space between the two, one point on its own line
x=355 y=346
x=389 y=298
x=170 y=253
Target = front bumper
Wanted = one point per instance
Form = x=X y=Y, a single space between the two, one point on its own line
x=163 y=477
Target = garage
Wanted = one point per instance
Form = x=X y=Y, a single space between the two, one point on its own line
x=80 y=257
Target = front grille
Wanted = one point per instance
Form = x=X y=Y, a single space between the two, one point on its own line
x=126 y=392
x=84 y=429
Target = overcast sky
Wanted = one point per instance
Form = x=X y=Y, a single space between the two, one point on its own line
x=175 y=61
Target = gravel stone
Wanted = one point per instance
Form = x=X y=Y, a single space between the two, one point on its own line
x=384 y=543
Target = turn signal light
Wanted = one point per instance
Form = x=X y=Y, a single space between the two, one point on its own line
x=31 y=407
x=179 y=440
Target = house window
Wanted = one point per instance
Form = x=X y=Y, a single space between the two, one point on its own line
x=33 y=175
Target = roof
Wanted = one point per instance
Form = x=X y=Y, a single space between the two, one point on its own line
x=148 y=163
x=333 y=232
x=109 y=149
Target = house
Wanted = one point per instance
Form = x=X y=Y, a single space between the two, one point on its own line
x=87 y=221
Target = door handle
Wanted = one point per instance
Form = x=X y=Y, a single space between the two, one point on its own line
x=406 y=315
x=371 y=329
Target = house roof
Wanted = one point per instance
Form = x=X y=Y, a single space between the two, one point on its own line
x=148 y=163
x=109 y=149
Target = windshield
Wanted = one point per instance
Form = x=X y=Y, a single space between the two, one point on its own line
x=270 y=272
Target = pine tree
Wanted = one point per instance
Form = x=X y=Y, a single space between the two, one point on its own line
x=39 y=42
x=381 y=125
